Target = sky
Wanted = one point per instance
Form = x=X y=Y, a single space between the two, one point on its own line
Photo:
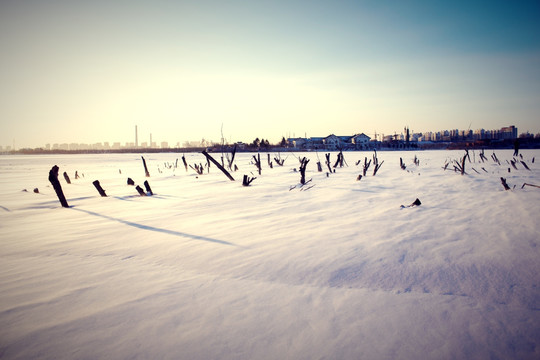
x=87 y=72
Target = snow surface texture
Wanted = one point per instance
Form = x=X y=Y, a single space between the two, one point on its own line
x=209 y=269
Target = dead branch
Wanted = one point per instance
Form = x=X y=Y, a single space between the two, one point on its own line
x=218 y=165
x=257 y=160
x=247 y=180
x=366 y=165
x=328 y=162
x=147 y=174
x=185 y=162
x=503 y=181
x=525 y=184
x=524 y=164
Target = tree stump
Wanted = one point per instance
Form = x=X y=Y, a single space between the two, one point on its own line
x=99 y=188
x=130 y=181
x=53 y=178
x=303 y=163
x=66 y=176
x=247 y=180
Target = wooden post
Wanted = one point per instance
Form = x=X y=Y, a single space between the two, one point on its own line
x=66 y=176
x=147 y=174
x=148 y=189
x=99 y=188
x=53 y=178
x=218 y=165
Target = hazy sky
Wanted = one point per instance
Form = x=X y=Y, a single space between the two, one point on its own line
x=89 y=71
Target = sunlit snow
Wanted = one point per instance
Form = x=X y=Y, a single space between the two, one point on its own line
x=209 y=269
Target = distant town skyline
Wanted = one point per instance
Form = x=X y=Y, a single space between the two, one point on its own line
x=505 y=133
x=182 y=70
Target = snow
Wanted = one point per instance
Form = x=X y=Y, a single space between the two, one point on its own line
x=209 y=269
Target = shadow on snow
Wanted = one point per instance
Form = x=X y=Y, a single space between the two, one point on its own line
x=156 y=229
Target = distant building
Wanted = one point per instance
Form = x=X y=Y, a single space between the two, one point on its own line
x=360 y=141
x=332 y=142
x=508 y=133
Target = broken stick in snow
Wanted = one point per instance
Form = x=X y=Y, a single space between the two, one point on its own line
x=366 y=165
x=328 y=162
x=257 y=160
x=53 y=178
x=524 y=164
x=376 y=163
x=247 y=180
x=147 y=174
x=525 y=184
x=185 y=162
x=99 y=188
x=66 y=176
x=218 y=165
x=303 y=163
x=148 y=189
x=503 y=181
x=279 y=160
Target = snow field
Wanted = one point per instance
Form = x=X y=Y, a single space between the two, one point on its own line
x=207 y=268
